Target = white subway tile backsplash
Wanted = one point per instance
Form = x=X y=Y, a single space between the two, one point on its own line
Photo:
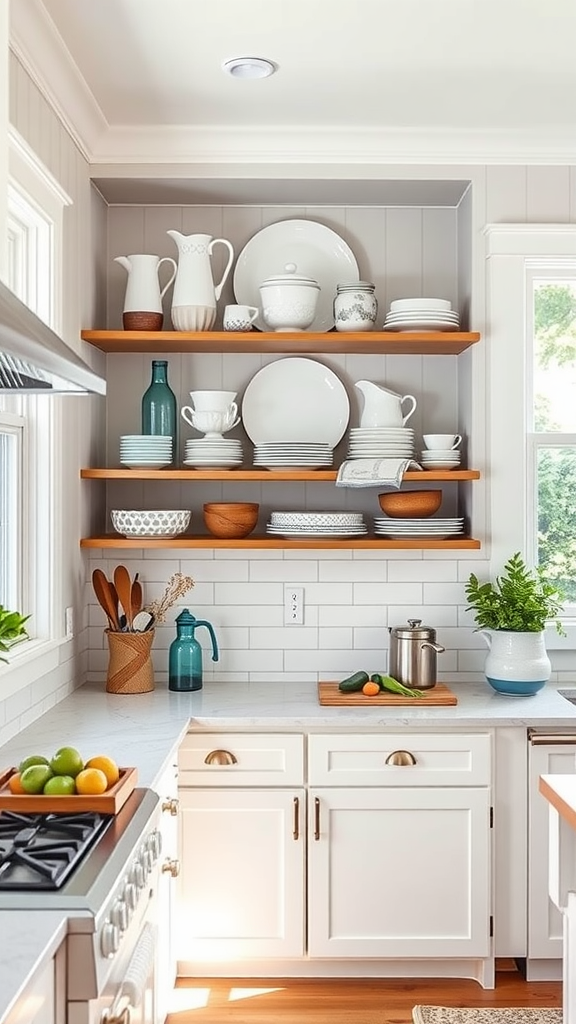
x=443 y=593
x=249 y=593
x=260 y=660
x=328 y=593
x=423 y=571
x=368 y=571
x=438 y=616
x=471 y=661
x=297 y=571
x=387 y=593
x=370 y=639
x=217 y=571
x=248 y=615
x=354 y=615
x=329 y=637
x=289 y=638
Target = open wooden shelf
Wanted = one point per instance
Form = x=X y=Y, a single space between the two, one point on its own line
x=418 y=343
x=264 y=475
x=259 y=541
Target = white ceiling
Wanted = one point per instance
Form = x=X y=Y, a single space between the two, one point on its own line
x=469 y=68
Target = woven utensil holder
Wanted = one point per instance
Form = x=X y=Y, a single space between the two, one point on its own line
x=130 y=668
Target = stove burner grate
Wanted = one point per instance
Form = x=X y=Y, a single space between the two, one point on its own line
x=40 y=851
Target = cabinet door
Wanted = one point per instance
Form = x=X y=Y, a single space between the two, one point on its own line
x=544 y=920
x=399 y=872
x=241 y=887
x=167 y=789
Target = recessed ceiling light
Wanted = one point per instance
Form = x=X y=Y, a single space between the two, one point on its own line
x=249 y=67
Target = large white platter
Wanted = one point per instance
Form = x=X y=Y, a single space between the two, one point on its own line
x=317 y=251
x=295 y=399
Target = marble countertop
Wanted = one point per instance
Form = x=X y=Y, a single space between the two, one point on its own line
x=145 y=730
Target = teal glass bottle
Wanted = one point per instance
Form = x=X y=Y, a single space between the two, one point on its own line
x=159 y=407
x=185 y=654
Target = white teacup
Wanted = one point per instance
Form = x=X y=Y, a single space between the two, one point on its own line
x=445 y=442
x=212 y=401
x=239 y=318
x=211 y=422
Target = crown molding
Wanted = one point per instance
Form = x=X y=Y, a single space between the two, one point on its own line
x=40 y=49
x=536 y=241
x=36 y=42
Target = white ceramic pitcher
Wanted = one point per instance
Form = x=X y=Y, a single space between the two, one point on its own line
x=382 y=407
x=195 y=294
x=143 y=294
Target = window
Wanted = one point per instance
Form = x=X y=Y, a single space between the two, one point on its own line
x=531 y=412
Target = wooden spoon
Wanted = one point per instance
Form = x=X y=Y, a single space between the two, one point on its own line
x=136 y=596
x=105 y=598
x=123 y=584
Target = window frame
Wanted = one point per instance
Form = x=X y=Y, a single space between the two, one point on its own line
x=515 y=255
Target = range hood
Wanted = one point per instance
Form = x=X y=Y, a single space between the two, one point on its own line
x=33 y=359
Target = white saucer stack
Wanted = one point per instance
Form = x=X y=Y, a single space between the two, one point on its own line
x=381 y=443
x=429 y=528
x=421 y=315
x=145 y=451
x=213 y=453
x=292 y=455
x=439 y=458
x=317 y=524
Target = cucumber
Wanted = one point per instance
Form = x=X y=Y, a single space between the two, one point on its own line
x=377 y=678
x=354 y=682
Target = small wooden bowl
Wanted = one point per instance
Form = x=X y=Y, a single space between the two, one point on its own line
x=231 y=519
x=410 y=504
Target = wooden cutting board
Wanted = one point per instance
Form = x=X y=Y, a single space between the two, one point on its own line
x=330 y=695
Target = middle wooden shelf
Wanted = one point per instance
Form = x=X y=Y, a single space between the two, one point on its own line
x=267 y=476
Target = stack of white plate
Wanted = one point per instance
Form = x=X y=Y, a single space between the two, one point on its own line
x=149 y=451
x=213 y=453
x=439 y=458
x=292 y=455
x=381 y=443
x=317 y=524
x=421 y=315
x=431 y=528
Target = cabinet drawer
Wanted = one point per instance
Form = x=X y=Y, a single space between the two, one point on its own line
x=253 y=759
x=458 y=759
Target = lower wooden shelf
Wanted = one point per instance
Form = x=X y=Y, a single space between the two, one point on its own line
x=259 y=541
x=314 y=476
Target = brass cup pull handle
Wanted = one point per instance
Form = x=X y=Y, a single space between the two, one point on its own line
x=401 y=758
x=171 y=867
x=220 y=757
x=171 y=804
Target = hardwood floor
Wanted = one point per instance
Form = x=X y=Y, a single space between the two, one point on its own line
x=344 y=1001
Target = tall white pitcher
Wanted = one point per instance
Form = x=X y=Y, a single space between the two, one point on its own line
x=195 y=294
x=143 y=296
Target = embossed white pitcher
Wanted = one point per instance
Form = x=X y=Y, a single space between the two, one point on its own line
x=195 y=294
x=383 y=408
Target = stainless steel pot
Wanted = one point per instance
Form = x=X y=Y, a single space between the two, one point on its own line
x=413 y=651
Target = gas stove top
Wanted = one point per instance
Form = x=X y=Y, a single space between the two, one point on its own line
x=40 y=851
x=70 y=861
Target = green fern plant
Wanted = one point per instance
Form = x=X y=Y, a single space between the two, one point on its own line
x=12 y=628
x=521 y=600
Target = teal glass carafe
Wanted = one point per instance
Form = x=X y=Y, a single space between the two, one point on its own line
x=159 y=407
x=185 y=655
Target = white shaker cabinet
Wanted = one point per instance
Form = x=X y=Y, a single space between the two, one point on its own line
x=167 y=789
x=399 y=846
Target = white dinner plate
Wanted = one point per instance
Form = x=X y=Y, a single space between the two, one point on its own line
x=317 y=251
x=421 y=326
x=295 y=399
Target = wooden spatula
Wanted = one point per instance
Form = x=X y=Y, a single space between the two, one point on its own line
x=105 y=598
x=123 y=584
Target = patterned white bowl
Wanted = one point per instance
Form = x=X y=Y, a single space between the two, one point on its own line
x=155 y=523
x=316 y=518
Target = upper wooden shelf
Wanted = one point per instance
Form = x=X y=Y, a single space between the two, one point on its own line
x=255 y=541
x=432 y=343
x=314 y=476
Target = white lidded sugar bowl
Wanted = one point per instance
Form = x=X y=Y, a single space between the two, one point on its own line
x=355 y=306
x=289 y=300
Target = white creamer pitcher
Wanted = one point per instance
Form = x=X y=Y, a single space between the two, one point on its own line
x=195 y=294
x=143 y=296
x=382 y=407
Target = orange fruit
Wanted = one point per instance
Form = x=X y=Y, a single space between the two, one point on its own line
x=90 y=781
x=15 y=785
x=106 y=765
x=370 y=688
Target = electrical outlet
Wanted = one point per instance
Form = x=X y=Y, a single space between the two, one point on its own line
x=69 y=623
x=293 y=606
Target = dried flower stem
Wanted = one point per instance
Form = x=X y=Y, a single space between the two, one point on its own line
x=177 y=586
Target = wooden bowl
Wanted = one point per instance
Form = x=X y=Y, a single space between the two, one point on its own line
x=410 y=504
x=231 y=519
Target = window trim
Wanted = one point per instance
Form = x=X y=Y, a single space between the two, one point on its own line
x=513 y=253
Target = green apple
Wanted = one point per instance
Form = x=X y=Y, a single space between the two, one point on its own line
x=60 y=785
x=33 y=759
x=34 y=778
x=67 y=761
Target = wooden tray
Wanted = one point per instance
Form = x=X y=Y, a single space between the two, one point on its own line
x=329 y=694
x=109 y=802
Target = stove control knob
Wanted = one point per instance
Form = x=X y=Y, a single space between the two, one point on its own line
x=137 y=877
x=119 y=915
x=147 y=861
x=155 y=844
x=130 y=897
x=109 y=939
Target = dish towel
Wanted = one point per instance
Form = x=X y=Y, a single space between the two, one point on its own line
x=374 y=472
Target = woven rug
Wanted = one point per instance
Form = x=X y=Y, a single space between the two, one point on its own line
x=485 y=1015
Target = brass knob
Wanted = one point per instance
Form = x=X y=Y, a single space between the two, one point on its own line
x=400 y=757
x=171 y=867
x=171 y=805
x=220 y=757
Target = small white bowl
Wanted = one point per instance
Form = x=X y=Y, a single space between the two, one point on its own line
x=400 y=304
x=153 y=523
